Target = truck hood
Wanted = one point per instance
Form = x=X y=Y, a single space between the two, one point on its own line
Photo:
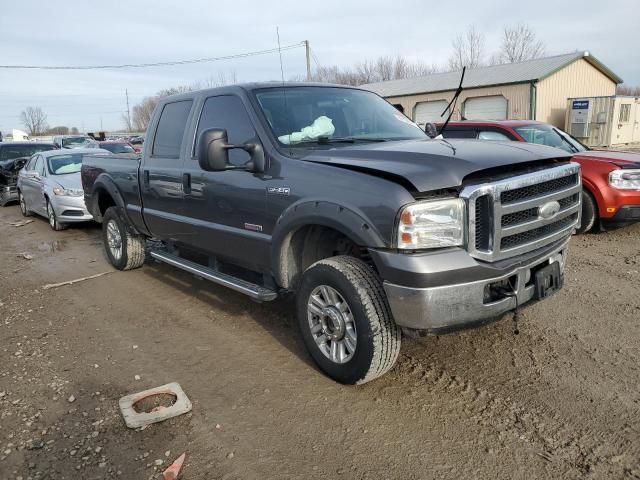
x=433 y=164
x=619 y=159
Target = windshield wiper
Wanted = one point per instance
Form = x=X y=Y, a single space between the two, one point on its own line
x=452 y=104
x=327 y=140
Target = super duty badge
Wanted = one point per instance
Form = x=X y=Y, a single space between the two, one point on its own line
x=284 y=191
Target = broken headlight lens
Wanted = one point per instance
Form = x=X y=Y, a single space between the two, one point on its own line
x=625 y=179
x=432 y=224
x=68 y=192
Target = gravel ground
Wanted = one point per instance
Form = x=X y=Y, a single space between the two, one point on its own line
x=560 y=400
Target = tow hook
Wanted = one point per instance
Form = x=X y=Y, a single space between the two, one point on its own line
x=516 y=311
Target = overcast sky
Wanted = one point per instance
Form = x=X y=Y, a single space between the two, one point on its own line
x=340 y=32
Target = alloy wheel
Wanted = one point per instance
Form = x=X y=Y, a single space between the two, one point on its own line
x=332 y=324
x=114 y=239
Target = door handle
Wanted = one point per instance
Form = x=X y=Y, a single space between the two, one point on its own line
x=145 y=178
x=186 y=183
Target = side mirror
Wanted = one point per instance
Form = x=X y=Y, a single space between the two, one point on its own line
x=213 y=152
x=431 y=130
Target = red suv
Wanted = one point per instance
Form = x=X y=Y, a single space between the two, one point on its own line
x=610 y=179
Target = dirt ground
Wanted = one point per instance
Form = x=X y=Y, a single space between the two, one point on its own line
x=560 y=400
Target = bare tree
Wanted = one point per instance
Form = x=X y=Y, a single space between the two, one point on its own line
x=519 y=43
x=468 y=50
x=628 y=90
x=61 y=130
x=370 y=71
x=74 y=131
x=34 y=120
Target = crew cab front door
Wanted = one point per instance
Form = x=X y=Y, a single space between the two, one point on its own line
x=161 y=173
x=226 y=209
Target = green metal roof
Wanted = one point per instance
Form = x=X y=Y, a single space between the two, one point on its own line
x=509 y=73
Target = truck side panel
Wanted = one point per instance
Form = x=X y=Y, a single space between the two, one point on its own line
x=116 y=177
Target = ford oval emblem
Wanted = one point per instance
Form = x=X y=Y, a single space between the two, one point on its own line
x=549 y=210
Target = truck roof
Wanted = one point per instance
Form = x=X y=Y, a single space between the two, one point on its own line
x=247 y=87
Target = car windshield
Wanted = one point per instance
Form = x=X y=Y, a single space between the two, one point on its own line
x=64 y=164
x=66 y=142
x=551 y=136
x=117 y=147
x=317 y=115
x=9 y=152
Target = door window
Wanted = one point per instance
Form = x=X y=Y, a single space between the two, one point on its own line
x=227 y=112
x=31 y=164
x=459 y=133
x=493 y=135
x=170 y=130
x=40 y=166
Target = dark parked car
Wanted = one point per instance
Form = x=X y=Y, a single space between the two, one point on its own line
x=610 y=179
x=331 y=193
x=13 y=156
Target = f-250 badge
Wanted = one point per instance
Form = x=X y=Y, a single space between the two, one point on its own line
x=284 y=191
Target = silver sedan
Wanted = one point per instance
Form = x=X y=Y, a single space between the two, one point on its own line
x=50 y=185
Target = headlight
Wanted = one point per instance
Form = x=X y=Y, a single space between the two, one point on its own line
x=432 y=224
x=625 y=179
x=68 y=192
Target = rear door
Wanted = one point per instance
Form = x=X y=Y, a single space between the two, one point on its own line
x=27 y=182
x=161 y=172
x=37 y=202
x=227 y=209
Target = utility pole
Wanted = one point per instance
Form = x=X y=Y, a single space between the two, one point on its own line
x=308 y=55
x=126 y=92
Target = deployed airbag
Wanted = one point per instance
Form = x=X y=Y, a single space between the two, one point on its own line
x=321 y=127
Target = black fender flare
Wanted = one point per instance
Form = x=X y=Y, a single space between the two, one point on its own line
x=106 y=183
x=348 y=221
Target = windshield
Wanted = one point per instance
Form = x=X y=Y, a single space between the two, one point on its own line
x=117 y=147
x=67 y=142
x=9 y=152
x=299 y=115
x=64 y=164
x=550 y=136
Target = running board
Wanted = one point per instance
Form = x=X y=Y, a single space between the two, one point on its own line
x=254 y=291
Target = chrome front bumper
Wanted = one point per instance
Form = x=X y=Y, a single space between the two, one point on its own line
x=451 y=307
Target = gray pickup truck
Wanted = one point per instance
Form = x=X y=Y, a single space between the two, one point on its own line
x=330 y=193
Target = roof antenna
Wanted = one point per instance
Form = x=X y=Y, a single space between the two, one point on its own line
x=284 y=90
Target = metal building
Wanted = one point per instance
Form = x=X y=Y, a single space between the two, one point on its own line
x=604 y=121
x=532 y=90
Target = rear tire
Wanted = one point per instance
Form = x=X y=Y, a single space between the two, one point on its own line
x=345 y=320
x=589 y=218
x=23 y=205
x=125 y=249
x=53 y=219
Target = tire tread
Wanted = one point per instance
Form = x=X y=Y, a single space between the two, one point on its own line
x=386 y=334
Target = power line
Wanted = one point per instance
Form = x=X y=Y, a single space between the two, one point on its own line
x=156 y=64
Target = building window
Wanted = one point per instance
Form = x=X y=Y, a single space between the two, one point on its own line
x=625 y=110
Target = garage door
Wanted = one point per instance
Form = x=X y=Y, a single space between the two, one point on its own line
x=486 y=108
x=429 y=112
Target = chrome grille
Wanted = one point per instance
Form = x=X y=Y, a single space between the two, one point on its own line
x=505 y=219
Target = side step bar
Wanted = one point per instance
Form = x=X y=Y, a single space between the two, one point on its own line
x=254 y=291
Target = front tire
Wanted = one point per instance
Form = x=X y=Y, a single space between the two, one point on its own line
x=125 y=250
x=345 y=320
x=589 y=218
x=53 y=219
x=23 y=205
